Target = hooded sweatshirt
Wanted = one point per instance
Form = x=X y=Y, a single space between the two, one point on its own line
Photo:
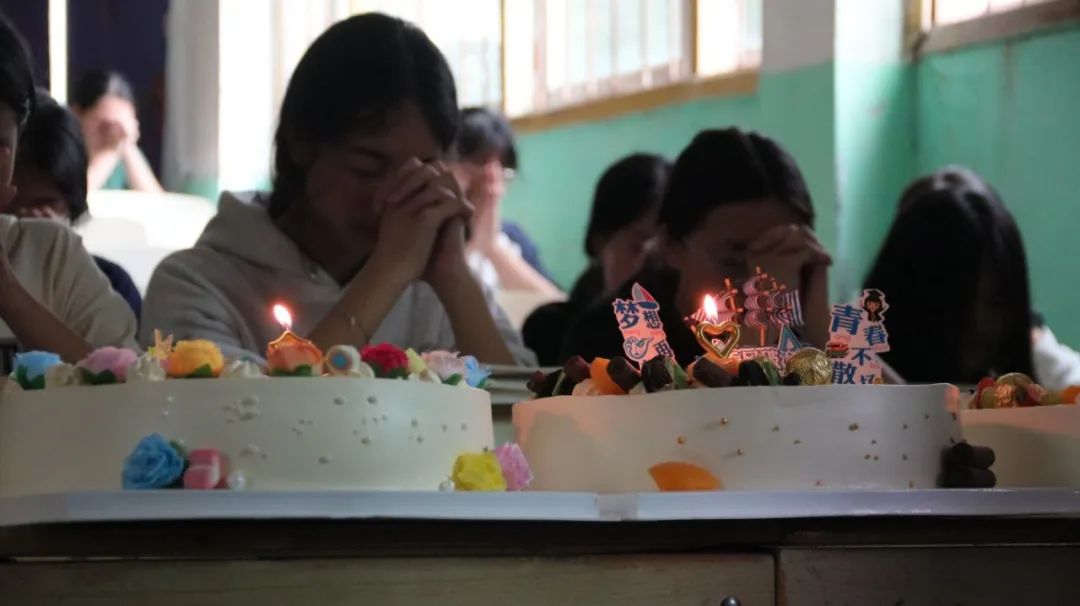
x=51 y=263
x=223 y=290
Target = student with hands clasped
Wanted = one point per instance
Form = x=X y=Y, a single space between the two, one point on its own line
x=735 y=201
x=52 y=296
x=363 y=235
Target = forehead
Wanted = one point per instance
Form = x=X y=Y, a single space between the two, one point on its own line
x=739 y=223
x=403 y=134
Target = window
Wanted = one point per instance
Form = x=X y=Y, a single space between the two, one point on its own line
x=565 y=52
x=947 y=12
x=556 y=53
x=469 y=34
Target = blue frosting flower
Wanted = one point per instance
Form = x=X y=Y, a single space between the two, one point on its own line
x=153 y=464
x=35 y=363
x=475 y=375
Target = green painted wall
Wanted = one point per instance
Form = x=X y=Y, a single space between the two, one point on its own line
x=1011 y=111
x=560 y=167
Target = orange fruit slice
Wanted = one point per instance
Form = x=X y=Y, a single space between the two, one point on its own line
x=598 y=374
x=1069 y=394
x=677 y=476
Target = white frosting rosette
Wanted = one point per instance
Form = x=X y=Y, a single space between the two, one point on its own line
x=242 y=369
x=62 y=375
x=145 y=369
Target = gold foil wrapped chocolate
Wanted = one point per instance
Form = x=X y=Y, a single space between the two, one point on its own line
x=811 y=365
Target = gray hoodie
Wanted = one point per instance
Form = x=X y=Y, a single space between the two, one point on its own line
x=223 y=290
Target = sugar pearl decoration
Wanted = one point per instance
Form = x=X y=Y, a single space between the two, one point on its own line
x=236 y=480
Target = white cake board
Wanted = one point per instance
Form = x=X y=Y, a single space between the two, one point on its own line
x=175 y=505
x=160 y=505
x=756 y=505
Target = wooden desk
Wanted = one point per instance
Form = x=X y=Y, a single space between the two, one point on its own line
x=810 y=561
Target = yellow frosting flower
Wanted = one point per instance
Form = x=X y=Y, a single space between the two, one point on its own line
x=196 y=358
x=417 y=365
x=478 y=472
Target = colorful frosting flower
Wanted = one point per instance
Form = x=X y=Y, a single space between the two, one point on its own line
x=515 y=469
x=62 y=375
x=344 y=361
x=106 y=365
x=417 y=365
x=478 y=472
x=205 y=470
x=155 y=463
x=146 y=368
x=448 y=365
x=387 y=361
x=195 y=359
x=30 y=368
x=293 y=356
x=475 y=375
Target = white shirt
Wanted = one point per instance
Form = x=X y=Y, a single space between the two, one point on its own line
x=1057 y=366
x=52 y=265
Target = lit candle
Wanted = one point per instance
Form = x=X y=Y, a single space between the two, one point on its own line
x=290 y=354
x=709 y=331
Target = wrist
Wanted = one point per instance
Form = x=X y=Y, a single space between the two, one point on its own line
x=450 y=282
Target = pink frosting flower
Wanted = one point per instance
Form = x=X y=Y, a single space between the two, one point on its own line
x=446 y=364
x=113 y=359
x=514 y=466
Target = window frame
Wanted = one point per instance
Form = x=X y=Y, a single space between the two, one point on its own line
x=673 y=90
x=924 y=37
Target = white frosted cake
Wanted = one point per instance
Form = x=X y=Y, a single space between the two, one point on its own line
x=181 y=417
x=281 y=433
x=749 y=438
x=1036 y=446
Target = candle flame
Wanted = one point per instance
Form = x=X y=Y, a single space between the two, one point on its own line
x=282 y=315
x=711 y=312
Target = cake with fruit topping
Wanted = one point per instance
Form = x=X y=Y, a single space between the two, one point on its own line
x=605 y=426
x=1034 y=431
x=183 y=417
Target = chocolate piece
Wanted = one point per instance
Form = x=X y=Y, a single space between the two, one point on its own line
x=536 y=382
x=966 y=455
x=678 y=375
x=577 y=369
x=772 y=373
x=753 y=373
x=812 y=366
x=709 y=374
x=655 y=374
x=792 y=379
x=957 y=476
x=739 y=382
x=623 y=374
x=544 y=385
x=565 y=385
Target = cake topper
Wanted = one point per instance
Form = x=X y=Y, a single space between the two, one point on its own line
x=856 y=334
x=642 y=330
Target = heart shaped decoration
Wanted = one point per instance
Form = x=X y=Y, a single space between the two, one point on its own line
x=727 y=333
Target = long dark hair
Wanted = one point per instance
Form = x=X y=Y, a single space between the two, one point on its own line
x=16 y=74
x=484 y=132
x=348 y=80
x=951 y=233
x=95 y=84
x=628 y=190
x=731 y=165
x=53 y=144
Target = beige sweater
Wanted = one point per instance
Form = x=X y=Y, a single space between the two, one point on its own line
x=223 y=290
x=52 y=264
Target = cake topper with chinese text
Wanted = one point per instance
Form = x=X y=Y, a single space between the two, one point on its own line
x=641 y=327
x=856 y=334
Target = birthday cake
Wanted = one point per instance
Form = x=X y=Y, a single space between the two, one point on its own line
x=1035 y=432
x=183 y=417
x=756 y=418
